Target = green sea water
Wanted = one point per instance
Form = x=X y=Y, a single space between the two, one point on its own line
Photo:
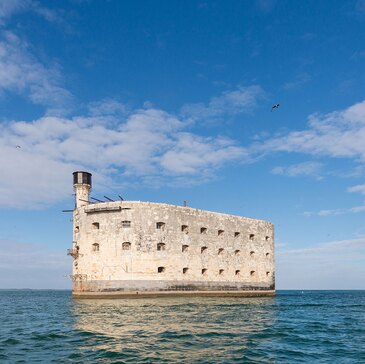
x=293 y=327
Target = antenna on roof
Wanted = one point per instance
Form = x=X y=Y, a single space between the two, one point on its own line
x=185 y=204
x=109 y=198
x=93 y=198
x=80 y=199
x=121 y=198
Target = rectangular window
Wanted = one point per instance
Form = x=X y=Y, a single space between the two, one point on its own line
x=126 y=224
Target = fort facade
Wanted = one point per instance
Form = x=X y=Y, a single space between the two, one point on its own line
x=138 y=249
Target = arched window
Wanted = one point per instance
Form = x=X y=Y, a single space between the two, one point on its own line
x=237 y=252
x=267 y=274
x=220 y=232
x=161 y=246
x=220 y=251
x=161 y=269
x=95 y=247
x=77 y=229
x=237 y=273
x=252 y=254
x=221 y=272
x=267 y=255
x=252 y=273
x=126 y=245
x=185 y=248
x=203 y=249
x=204 y=271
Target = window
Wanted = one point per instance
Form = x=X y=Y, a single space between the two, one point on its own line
x=203 y=230
x=126 y=224
x=252 y=273
x=237 y=273
x=204 y=271
x=95 y=247
x=220 y=251
x=267 y=238
x=77 y=229
x=161 y=269
x=221 y=272
x=161 y=246
x=96 y=225
x=203 y=249
x=252 y=253
x=251 y=236
x=237 y=252
x=126 y=245
x=237 y=234
x=267 y=274
x=185 y=270
x=185 y=228
x=220 y=232
x=160 y=225
x=185 y=248
x=267 y=255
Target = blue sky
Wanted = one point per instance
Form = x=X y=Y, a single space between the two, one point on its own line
x=170 y=101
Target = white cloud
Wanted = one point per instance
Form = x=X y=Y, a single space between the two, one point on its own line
x=241 y=100
x=312 y=169
x=150 y=144
x=358 y=188
x=22 y=73
x=337 y=134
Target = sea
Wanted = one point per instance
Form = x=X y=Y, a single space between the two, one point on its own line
x=48 y=326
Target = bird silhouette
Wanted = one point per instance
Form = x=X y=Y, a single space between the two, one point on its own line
x=18 y=146
x=276 y=106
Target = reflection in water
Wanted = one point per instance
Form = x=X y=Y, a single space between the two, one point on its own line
x=174 y=329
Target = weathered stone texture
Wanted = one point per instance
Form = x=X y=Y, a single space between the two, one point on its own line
x=121 y=246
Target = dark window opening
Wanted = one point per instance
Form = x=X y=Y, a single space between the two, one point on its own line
x=203 y=249
x=237 y=252
x=126 y=245
x=96 y=225
x=267 y=238
x=185 y=228
x=267 y=274
x=160 y=225
x=161 y=246
x=267 y=255
x=204 y=271
x=220 y=232
x=95 y=247
x=237 y=272
x=252 y=236
x=220 y=251
x=252 y=253
x=126 y=224
x=185 y=270
x=221 y=272
x=185 y=248
x=161 y=269
x=77 y=229
x=252 y=273
x=237 y=234
x=203 y=230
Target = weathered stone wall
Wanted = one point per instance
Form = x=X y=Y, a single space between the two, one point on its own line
x=120 y=246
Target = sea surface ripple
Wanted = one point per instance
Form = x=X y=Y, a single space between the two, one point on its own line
x=293 y=327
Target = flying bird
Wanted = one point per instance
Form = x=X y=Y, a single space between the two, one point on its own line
x=18 y=146
x=276 y=106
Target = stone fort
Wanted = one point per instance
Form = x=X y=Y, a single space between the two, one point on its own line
x=138 y=249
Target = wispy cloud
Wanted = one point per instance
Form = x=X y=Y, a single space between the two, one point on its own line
x=233 y=102
x=350 y=210
x=33 y=266
x=299 y=81
x=311 y=169
x=330 y=265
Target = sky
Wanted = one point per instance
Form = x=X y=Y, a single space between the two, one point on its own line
x=169 y=101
